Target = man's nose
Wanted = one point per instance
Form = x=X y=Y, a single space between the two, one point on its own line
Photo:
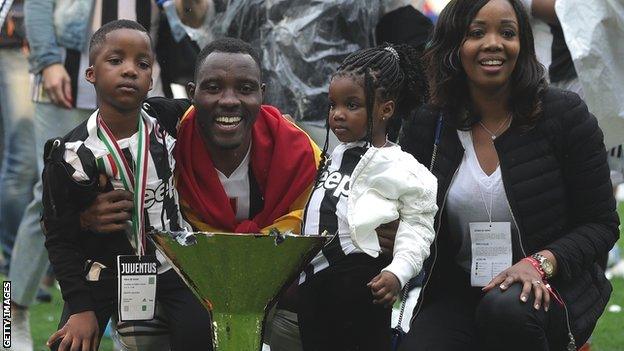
x=229 y=98
x=129 y=70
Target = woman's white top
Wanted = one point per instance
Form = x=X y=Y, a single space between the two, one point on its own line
x=470 y=193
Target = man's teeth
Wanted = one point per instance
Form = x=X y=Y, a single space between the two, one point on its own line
x=492 y=63
x=228 y=120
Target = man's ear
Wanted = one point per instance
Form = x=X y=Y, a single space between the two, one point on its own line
x=190 y=90
x=387 y=109
x=151 y=84
x=263 y=90
x=90 y=75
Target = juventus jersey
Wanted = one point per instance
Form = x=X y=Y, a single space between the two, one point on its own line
x=327 y=207
x=161 y=198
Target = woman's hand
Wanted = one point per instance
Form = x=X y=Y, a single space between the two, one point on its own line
x=524 y=273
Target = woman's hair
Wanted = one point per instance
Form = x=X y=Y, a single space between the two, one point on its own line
x=447 y=79
x=389 y=72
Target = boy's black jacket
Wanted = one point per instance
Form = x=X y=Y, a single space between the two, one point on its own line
x=69 y=246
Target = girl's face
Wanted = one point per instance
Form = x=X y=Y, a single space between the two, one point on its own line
x=347 y=111
x=490 y=50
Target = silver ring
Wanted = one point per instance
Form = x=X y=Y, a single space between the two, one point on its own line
x=536 y=282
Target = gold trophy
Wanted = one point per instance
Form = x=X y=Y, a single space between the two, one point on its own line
x=237 y=277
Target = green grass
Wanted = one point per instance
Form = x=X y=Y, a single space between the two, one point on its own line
x=609 y=333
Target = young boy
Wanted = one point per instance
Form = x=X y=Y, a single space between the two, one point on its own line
x=128 y=146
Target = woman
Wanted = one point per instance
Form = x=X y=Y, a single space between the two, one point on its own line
x=526 y=209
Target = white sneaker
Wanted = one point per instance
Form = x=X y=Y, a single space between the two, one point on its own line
x=21 y=340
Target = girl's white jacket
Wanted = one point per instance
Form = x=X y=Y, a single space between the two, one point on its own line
x=387 y=184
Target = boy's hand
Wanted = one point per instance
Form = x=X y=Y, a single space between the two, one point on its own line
x=57 y=85
x=385 y=288
x=79 y=333
x=109 y=212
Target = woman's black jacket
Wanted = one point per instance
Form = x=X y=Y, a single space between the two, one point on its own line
x=557 y=182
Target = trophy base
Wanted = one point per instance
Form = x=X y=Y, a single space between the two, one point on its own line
x=240 y=332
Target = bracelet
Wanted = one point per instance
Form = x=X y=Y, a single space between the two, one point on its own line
x=535 y=263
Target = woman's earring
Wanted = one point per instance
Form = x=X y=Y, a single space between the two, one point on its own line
x=451 y=60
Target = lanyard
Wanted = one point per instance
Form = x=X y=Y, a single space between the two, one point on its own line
x=487 y=210
x=133 y=182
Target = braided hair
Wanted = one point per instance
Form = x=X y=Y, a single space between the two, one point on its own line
x=390 y=72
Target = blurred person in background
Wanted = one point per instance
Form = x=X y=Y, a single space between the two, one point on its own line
x=18 y=173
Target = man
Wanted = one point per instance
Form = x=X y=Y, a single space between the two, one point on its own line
x=241 y=166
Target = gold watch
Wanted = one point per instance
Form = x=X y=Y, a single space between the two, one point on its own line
x=545 y=264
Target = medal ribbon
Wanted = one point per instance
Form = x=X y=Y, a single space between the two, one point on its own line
x=133 y=182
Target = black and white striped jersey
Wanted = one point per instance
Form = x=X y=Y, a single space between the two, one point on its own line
x=145 y=12
x=327 y=207
x=83 y=148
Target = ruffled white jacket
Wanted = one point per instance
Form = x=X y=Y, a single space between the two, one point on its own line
x=389 y=184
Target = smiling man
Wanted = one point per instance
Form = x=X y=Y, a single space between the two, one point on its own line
x=242 y=167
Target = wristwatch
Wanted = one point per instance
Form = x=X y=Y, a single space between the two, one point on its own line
x=545 y=264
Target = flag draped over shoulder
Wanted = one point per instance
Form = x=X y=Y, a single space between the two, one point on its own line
x=283 y=160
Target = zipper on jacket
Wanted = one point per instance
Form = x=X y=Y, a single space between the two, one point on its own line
x=434 y=156
x=571 y=343
x=435 y=244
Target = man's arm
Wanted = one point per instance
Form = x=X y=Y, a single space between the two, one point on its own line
x=192 y=12
x=544 y=10
x=167 y=111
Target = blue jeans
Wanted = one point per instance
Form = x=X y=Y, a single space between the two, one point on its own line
x=30 y=258
x=18 y=174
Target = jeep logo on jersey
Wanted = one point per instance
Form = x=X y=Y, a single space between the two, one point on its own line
x=335 y=180
x=164 y=189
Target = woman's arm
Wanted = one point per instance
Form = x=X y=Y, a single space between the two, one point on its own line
x=592 y=207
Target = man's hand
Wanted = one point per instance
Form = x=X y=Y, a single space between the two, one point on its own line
x=193 y=12
x=385 y=288
x=386 y=233
x=81 y=332
x=57 y=85
x=109 y=212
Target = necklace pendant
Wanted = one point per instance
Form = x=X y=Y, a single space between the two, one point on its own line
x=493 y=137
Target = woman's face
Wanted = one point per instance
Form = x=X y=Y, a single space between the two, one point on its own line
x=491 y=47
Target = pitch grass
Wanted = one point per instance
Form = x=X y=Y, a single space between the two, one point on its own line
x=608 y=336
x=609 y=333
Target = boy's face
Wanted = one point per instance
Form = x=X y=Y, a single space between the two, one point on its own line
x=122 y=69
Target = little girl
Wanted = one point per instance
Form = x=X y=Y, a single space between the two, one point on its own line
x=367 y=181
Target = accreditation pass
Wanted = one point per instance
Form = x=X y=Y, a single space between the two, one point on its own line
x=137 y=287
x=491 y=251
